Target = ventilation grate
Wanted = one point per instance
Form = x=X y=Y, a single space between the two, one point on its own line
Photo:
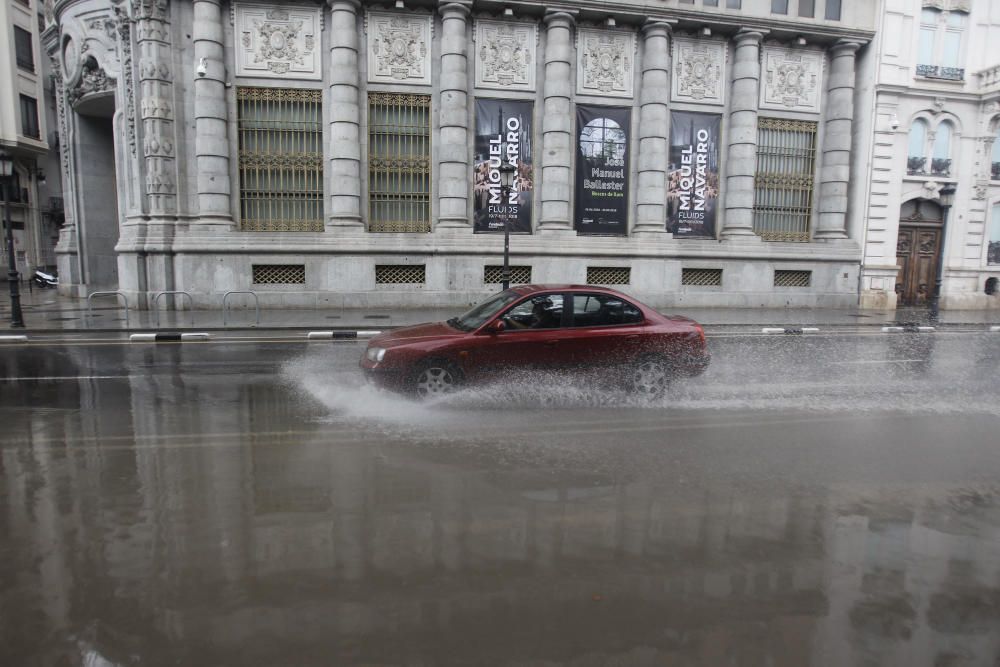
x=519 y=275
x=609 y=275
x=400 y=274
x=279 y=274
x=792 y=278
x=701 y=277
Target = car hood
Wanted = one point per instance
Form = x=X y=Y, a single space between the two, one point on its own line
x=414 y=334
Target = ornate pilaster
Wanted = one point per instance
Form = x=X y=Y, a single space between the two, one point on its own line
x=156 y=92
x=345 y=115
x=211 y=117
x=557 y=122
x=653 y=129
x=453 y=149
x=742 y=158
x=835 y=173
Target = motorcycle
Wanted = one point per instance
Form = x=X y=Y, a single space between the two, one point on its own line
x=44 y=280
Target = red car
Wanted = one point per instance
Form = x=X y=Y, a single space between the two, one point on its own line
x=550 y=327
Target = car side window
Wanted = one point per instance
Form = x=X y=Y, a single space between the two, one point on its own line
x=601 y=310
x=543 y=311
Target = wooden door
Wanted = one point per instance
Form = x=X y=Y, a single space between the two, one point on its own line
x=917 y=251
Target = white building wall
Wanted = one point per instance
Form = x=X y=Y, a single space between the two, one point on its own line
x=972 y=105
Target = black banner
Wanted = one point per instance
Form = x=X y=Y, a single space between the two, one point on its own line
x=602 y=170
x=693 y=178
x=503 y=136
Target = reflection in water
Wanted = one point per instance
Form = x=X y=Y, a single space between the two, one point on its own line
x=284 y=536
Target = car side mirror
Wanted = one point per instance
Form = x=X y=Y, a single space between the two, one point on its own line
x=497 y=327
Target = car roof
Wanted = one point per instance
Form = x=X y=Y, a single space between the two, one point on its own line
x=532 y=289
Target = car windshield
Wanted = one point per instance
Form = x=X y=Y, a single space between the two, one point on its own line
x=482 y=313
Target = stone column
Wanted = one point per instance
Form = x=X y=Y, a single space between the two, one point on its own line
x=835 y=172
x=345 y=115
x=156 y=92
x=210 y=110
x=653 y=129
x=557 y=122
x=742 y=154
x=453 y=147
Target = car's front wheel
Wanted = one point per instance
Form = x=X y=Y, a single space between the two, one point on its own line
x=435 y=378
x=650 y=377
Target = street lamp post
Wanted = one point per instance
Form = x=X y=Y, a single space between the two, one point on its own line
x=6 y=171
x=947 y=197
x=507 y=172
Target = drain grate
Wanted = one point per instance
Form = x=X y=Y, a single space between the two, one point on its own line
x=701 y=277
x=400 y=274
x=609 y=275
x=792 y=278
x=519 y=275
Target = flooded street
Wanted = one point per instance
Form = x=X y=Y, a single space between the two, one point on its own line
x=827 y=500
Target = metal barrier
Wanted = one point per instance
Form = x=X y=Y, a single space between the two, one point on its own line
x=156 y=302
x=90 y=296
x=225 y=298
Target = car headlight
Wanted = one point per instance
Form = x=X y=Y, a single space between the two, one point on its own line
x=375 y=354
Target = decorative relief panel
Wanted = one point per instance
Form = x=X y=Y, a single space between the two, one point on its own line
x=699 y=71
x=505 y=55
x=792 y=79
x=606 y=63
x=278 y=42
x=399 y=48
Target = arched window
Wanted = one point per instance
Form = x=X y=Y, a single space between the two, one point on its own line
x=916 y=157
x=941 y=159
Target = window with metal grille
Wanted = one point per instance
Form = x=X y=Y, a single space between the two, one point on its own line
x=279 y=274
x=400 y=274
x=29 y=117
x=519 y=275
x=701 y=277
x=609 y=275
x=23 y=50
x=399 y=162
x=281 y=159
x=792 y=278
x=783 y=184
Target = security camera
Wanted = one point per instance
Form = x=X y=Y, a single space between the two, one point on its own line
x=202 y=68
x=894 y=122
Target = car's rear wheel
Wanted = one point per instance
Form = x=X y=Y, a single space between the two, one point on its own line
x=650 y=377
x=433 y=379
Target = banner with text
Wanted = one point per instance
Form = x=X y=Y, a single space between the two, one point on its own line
x=693 y=177
x=503 y=137
x=602 y=170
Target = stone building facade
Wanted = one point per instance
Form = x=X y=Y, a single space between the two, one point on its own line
x=34 y=205
x=936 y=123
x=691 y=152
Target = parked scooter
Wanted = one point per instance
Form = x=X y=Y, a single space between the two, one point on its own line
x=44 y=280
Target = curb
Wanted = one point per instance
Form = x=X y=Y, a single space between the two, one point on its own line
x=908 y=329
x=173 y=337
x=341 y=335
x=789 y=330
x=14 y=339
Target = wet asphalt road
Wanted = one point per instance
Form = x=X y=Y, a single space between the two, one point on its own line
x=813 y=500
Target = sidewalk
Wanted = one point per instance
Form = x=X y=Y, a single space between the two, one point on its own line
x=46 y=311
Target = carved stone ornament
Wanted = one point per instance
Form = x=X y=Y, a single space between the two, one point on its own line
x=93 y=79
x=979 y=190
x=278 y=42
x=505 y=55
x=699 y=71
x=607 y=63
x=399 y=48
x=952 y=5
x=932 y=189
x=792 y=79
